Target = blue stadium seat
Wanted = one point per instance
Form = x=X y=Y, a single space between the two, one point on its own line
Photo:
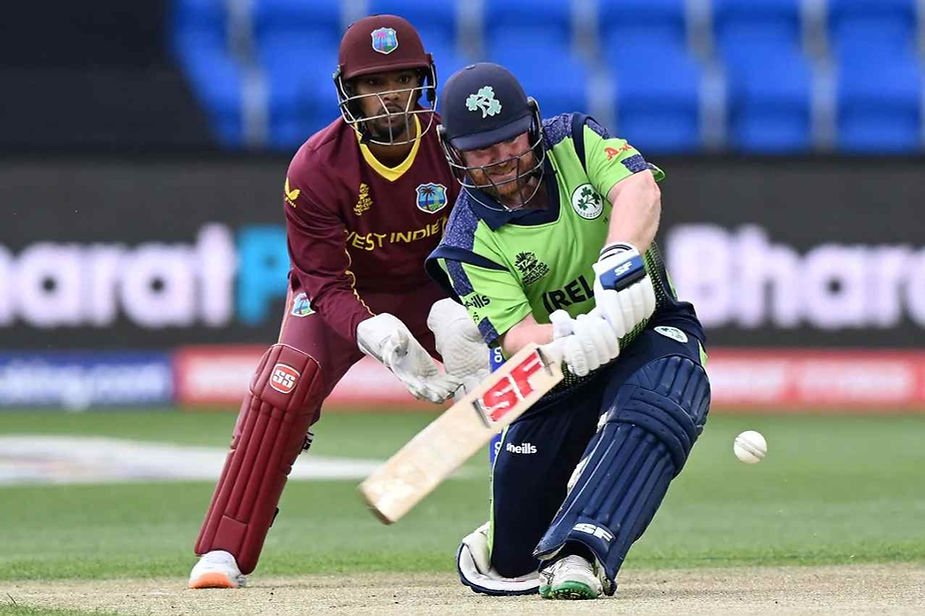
x=642 y=23
x=749 y=28
x=199 y=44
x=658 y=98
x=880 y=104
x=552 y=74
x=547 y=21
x=435 y=21
x=297 y=49
x=859 y=25
x=770 y=104
x=447 y=60
x=318 y=17
x=300 y=90
x=202 y=19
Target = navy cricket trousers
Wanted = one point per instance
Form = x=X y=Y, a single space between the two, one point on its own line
x=539 y=451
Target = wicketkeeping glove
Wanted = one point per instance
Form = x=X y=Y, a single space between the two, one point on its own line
x=459 y=342
x=385 y=338
x=623 y=290
x=587 y=343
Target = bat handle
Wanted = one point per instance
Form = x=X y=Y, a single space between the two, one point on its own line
x=553 y=352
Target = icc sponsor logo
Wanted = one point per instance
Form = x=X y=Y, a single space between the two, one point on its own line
x=283 y=378
x=507 y=392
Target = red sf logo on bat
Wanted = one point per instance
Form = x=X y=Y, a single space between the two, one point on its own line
x=511 y=389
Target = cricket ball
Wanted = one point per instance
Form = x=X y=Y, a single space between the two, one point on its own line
x=750 y=447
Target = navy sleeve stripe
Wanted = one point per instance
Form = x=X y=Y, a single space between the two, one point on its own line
x=635 y=163
x=461 y=282
x=452 y=253
x=488 y=331
x=458 y=283
x=578 y=137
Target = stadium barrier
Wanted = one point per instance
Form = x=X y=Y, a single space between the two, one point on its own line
x=786 y=380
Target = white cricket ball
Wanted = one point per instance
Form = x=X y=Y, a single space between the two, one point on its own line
x=750 y=447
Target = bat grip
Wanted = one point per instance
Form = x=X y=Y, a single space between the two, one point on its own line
x=553 y=352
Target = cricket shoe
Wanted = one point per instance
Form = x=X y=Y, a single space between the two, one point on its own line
x=216 y=569
x=571 y=577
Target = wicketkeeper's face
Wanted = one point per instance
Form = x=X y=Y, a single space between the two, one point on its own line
x=385 y=100
x=502 y=168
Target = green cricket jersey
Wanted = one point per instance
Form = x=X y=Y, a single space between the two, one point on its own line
x=505 y=265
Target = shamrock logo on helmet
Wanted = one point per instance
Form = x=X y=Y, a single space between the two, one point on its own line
x=485 y=101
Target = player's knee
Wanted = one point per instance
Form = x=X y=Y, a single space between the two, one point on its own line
x=669 y=397
x=287 y=379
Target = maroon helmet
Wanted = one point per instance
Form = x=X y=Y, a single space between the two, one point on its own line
x=379 y=44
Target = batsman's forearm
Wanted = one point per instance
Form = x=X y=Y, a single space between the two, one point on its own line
x=524 y=333
x=637 y=207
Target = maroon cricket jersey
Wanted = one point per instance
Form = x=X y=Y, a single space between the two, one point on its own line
x=355 y=226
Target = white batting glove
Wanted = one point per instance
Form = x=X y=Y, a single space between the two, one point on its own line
x=459 y=342
x=587 y=343
x=623 y=290
x=385 y=338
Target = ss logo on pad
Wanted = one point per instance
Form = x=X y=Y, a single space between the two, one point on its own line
x=283 y=378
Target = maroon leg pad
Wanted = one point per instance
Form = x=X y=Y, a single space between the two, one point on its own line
x=285 y=395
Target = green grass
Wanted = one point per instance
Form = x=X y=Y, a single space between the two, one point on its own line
x=833 y=490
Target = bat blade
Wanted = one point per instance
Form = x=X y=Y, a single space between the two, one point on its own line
x=438 y=450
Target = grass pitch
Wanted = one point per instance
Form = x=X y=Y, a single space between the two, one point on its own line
x=833 y=491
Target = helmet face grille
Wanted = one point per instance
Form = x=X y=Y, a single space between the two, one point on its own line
x=464 y=172
x=406 y=125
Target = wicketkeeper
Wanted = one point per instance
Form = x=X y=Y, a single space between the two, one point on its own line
x=365 y=200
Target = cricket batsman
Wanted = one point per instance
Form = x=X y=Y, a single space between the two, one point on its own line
x=366 y=199
x=552 y=238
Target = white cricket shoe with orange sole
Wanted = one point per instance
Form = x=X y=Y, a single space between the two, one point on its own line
x=216 y=569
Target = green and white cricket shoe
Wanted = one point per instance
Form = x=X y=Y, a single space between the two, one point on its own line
x=571 y=577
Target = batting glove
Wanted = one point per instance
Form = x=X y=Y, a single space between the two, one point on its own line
x=385 y=338
x=623 y=290
x=587 y=343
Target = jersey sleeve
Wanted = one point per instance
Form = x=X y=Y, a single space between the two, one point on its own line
x=317 y=248
x=611 y=159
x=490 y=292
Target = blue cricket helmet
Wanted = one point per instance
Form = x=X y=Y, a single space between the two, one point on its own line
x=484 y=104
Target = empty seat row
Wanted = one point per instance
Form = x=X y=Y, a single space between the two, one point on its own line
x=760 y=89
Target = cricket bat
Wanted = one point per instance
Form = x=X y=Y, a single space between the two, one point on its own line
x=435 y=452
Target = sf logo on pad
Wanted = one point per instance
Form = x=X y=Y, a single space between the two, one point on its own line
x=283 y=378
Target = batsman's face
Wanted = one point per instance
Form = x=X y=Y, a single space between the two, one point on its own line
x=502 y=167
x=386 y=99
